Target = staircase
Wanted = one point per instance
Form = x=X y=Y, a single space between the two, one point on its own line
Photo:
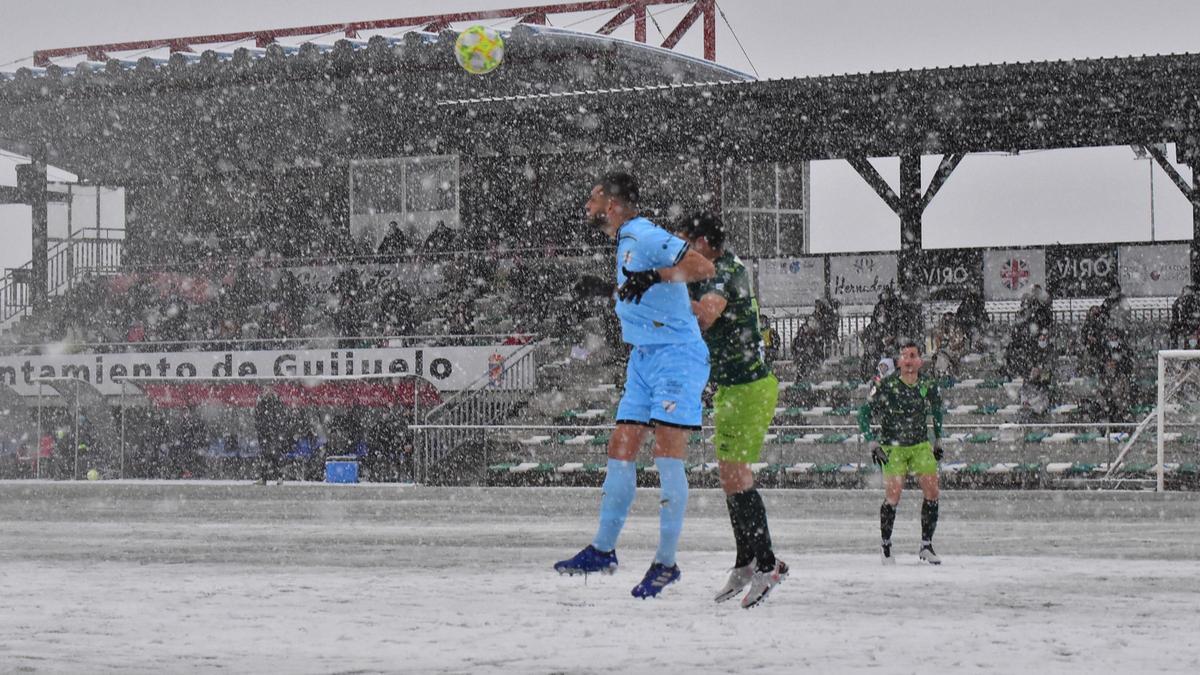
x=94 y=251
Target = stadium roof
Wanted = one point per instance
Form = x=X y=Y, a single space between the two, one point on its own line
x=251 y=109
x=255 y=110
x=1000 y=107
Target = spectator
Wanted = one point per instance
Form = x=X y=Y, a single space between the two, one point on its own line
x=806 y=348
x=395 y=243
x=770 y=340
x=972 y=317
x=825 y=311
x=1185 y=317
x=1117 y=385
x=949 y=345
x=1037 y=390
x=1037 y=308
x=1091 y=336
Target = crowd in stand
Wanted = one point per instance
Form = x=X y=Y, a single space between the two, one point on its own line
x=262 y=303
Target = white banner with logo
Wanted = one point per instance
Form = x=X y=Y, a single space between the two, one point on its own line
x=790 y=282
x=858 y=279
x=447 y=368
x=1156 y=270
x=1009 y=274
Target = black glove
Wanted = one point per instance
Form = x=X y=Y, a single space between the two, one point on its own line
x=636 y=284
x=878 y=455
x=937 y=452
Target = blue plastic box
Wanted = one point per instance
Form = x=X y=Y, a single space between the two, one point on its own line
x=341 y=469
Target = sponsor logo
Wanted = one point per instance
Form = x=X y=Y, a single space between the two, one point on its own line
x=669 y=406
x=1015 y=274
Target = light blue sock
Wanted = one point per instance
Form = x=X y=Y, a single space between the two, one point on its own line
x=673 y=500
x=620 y=487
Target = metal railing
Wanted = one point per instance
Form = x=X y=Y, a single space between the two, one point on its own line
x=68 y=260
x=1011 y=443
x=488 y=401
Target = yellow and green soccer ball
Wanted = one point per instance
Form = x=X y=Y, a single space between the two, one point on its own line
x=479 y=49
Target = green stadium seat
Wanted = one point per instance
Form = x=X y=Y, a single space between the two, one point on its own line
x=833 y=438
x=1036 y=436
x=501 y=468
x=981 y=437
x=978 y=468
x=826 y=468
x=800 y=468
x=534 y=440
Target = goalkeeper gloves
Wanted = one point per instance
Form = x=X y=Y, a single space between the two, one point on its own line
x=878 y=455
x=937 y=452
x=636 y=284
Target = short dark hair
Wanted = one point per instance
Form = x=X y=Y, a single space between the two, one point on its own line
x=906 y=344
x=705 y=225
x=620 y=185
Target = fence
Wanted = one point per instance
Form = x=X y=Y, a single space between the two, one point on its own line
x=1015 y=444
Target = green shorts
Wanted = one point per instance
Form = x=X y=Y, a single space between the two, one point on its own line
x=905 y=459
x=742 y=414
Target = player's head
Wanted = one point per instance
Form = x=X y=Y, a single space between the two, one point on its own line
x=703 y=230
x=614 y=198
x=910 y=358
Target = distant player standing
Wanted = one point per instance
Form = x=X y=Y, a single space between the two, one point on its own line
x=744 y=404
x=665 y=377
x=904 y=401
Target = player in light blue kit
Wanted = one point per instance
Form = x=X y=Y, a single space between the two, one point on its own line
x=667 y=371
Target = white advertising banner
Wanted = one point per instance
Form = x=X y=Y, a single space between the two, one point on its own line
x=790 y=282
x=1009 y=274
x=1156 y=270
x=447 y=368
x=858 y=279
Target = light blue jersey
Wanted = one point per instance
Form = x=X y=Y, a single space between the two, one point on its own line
x=664 y=316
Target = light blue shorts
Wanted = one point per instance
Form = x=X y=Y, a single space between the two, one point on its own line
x=663 y=384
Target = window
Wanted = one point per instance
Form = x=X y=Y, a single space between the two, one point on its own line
x=766 y=208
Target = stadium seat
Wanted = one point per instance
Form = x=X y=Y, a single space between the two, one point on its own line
x=570 y=467
x=534 y=440
x=800 y=468
x=524 y=467
x=581 y=439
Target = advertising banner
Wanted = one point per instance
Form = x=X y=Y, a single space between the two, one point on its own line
x=447 y=368
x=1155 y=270
x=1010 y=273
x=950 y=274
x=790 y=282
x=858 y=279
x=1081 y=271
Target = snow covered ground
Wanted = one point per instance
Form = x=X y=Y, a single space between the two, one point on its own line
x=169 y=576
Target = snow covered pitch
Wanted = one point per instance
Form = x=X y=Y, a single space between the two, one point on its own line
x=157 y=577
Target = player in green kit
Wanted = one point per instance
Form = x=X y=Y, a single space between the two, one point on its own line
x=744 y=403
x=903 y=402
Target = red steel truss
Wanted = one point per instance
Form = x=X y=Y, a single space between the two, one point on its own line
x=626 y=9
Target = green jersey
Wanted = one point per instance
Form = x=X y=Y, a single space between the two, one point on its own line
x=734 y=340
x=902 y=409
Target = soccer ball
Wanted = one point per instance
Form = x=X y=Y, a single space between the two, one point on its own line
x=93 y=474
x=479 y=50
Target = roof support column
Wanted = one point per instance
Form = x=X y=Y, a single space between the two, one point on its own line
x=909 y=261
x=31 y=180
x=1196 y=216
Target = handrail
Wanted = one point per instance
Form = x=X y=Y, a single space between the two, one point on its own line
x=473 y=389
